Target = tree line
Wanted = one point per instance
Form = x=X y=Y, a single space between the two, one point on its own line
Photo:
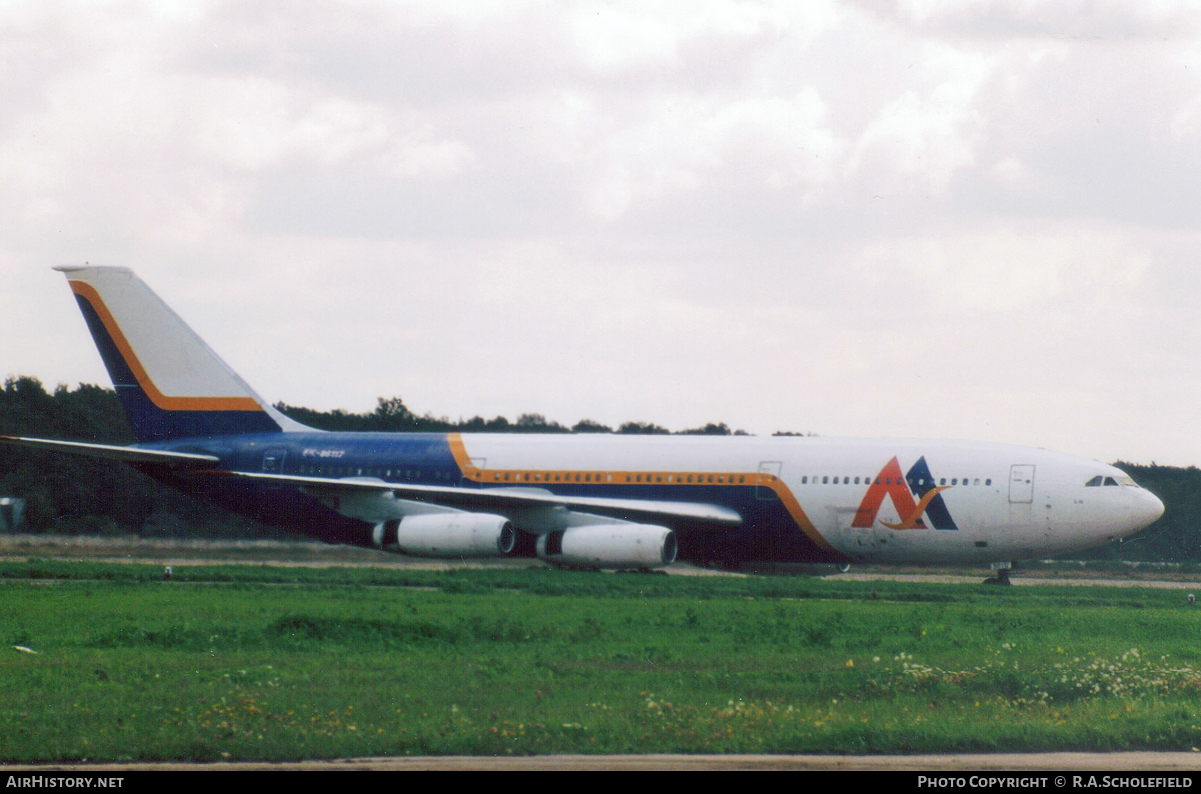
x=392 y=415
x=75 y=495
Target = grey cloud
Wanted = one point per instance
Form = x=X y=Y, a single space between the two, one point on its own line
x=871 y=217
x=1061 y=20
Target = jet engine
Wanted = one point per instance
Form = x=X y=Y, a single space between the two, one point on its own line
x=610 y=546
x=446 y=535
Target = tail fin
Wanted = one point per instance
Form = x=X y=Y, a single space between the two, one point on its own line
x=171 y=384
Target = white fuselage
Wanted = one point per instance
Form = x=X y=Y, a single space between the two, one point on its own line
x=861 y=499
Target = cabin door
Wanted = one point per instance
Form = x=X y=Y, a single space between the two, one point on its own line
x=479 y=465
x=273 y=463
x=268 y=491
x=1021 y=483
x=769 y=477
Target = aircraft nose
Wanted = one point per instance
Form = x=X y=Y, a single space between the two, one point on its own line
x=1148 y=509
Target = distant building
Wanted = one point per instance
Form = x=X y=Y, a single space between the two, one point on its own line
x=12 y=514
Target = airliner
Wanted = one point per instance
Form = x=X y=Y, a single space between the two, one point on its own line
x=600 y=501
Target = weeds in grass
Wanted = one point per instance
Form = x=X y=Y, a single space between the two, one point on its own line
x=1129 y=677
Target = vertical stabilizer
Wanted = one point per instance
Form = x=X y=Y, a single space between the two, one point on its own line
x=171 y=384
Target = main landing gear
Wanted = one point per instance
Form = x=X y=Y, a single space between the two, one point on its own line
x=1002 y=577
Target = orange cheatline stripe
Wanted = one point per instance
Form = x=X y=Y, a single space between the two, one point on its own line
x=163 y=401
x=763 y=480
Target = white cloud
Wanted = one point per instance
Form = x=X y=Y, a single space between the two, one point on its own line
x=255 y=125
x=778 y=144
x=633 y=36
x=923 y=138
x=1082 y=20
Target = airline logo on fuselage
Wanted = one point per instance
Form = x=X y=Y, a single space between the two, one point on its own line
x=929 y=509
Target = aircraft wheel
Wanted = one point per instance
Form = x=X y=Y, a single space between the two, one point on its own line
x=1002 y=578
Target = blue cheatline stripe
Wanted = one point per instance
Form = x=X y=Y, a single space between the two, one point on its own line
x=769 y=531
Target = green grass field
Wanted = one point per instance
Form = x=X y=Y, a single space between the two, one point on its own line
x=255 y=662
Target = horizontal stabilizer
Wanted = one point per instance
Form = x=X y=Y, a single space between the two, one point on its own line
x=501 y=498
x=124 y=454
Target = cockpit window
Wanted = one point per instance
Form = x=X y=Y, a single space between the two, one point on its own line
x=1101 y=480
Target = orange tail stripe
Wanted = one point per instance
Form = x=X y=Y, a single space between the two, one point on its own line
x=163 y=401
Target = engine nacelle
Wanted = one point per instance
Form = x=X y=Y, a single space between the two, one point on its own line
x=610 y=546
x=446 y=535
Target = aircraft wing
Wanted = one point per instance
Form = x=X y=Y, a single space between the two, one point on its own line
x=502 y=498
x=113 y=452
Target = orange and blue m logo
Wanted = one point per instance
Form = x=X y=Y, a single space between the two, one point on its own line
x=902 y=489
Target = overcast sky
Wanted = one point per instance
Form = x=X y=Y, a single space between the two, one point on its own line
x=913 y=219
